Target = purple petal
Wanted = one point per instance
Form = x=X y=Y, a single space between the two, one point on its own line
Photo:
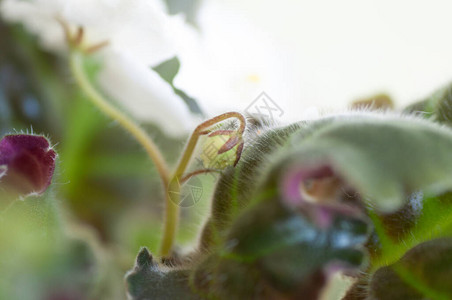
x=321 y=213
x=27 y=163
x=293 y=179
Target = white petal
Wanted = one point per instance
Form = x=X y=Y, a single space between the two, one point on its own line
x=141 y=35
x=144 y=94
x=234 y=63
x=38 y=17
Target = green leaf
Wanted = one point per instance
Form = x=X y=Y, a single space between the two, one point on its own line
x=258 y=244
x=423 y=272
x=274 y=250
x=433 y=220
x=438 y=106
x=37 y=259
x=373 y=153
x=382 y=157
x=148 y=281
x=188 y=7
x=168 y=71
x=236 y=186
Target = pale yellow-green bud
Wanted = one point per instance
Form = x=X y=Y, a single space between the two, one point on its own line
x=221 y=149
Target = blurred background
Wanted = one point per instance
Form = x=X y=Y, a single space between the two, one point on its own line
x=351 y=49
x=206 y=57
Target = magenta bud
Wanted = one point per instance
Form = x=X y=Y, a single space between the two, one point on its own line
x=27 y=163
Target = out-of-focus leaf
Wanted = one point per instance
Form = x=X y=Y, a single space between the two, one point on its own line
x=37 y=259
x=424 y=272
x=236 y=187
x=100 y=191
x=377 y=155
x=253 y=236
x=188 y=7
x=272 y=250
x=24 y=99
x=372 y=153
x=376 y=102
x=261 y=243
x=438 y=106
x=432 y=220
x=444 y=108
x=148 y=281
x=168 y=71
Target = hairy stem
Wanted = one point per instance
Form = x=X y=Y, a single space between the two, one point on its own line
x=172 y=184
x=173 y=192
x=76 y=64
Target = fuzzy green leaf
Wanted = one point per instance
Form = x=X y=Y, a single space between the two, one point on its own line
x=282 y=251
x=384 y=158
x=423 y=272
x=148 y=281
x=438 y=106
x=259 y=244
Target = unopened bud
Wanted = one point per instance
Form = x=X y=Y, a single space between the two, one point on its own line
x=27 y=163
x=222 y=148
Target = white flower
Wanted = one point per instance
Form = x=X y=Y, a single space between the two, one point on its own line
x=225 y=64
x=145 y=94
x=140 y=33
x=140 y=27
x=348 y=50
x=234 y=62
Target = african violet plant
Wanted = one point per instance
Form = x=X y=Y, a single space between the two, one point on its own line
x=362 y=193
x=365 y=194
x=361 y=197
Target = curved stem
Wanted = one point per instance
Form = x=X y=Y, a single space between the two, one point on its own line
x=171 y=184
x=200 y=130
x=173 y=192
x=171 y=221
x=76 y=64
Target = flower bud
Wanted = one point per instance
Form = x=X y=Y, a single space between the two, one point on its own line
x=27 y=163
x=222 y=148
